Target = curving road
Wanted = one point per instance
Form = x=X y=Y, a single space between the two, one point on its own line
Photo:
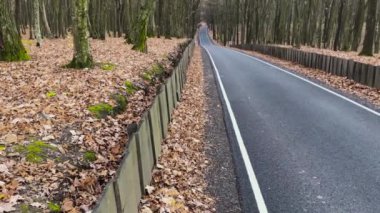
x=299 y=147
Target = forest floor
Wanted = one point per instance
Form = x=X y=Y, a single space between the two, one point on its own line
x=179 y=182
x=374 y=60
x=370 y=95
x=53 y=151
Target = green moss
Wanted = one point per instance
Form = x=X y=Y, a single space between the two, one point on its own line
x=2 y=147
x=107 y=66
x=155 y=72
x=22 y=55
x=147 y=76
x=101 y=110
x=53 y=207
x=51 y=94
x=24 y=208
x=130 y=88
x=157 y=69
x=121 y=103
x=78 y=64
x=36 y=152
x=89 y=156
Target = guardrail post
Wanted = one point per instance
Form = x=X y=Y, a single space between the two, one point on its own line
x=377 y=77
x=363 y=74
x=371 y=75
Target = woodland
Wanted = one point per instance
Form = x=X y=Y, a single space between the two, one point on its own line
x=75 y=74
x=344 y=25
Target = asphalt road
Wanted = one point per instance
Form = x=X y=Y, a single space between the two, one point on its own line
x=311 y=150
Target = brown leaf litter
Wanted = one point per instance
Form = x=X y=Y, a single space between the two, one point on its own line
x=350 y=55
x=42 y=101
x=179 y=180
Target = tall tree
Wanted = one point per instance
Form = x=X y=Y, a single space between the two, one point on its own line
x=339 y=28
x=82 y=56
x=358 y=25
x=11 y=47
x=140 y=30
x=370 y=29
x=44 y=19
x=36 y=22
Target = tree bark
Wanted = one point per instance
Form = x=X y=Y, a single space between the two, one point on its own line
x=44 y=19
x=339 y=29
x=370 y=29
x=36 y=22
x=82 y=56
x=11 y=47
x=140 y=31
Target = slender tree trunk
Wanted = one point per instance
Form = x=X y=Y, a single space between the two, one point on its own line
x=11 y=47
x=370 y=29
x=82 y=56
x=358 y=25
x=339 y=29
x=36 y=22
x=44 y=18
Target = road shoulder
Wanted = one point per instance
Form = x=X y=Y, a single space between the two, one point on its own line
x=221 y=177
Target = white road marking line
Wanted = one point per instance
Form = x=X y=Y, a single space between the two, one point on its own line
x=314 y=84
x=248 y=165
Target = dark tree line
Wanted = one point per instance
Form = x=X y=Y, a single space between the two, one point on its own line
x=135 y=20
x=348 y=25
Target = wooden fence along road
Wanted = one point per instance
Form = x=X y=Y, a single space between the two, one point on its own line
x=123 y=194
x=365 y=74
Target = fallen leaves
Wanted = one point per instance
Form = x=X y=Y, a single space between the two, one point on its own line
x=42 y=101
x=374 y=60
x=179 y=179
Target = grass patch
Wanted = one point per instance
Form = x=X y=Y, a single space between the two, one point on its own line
x=51 y=94
x=107 y=66
x=130 y=88
x=155 y=72
x=24 y=208
x=53 y=207
x=101 y=110
x=121 y=103
x=89 y=156
x=36 y=152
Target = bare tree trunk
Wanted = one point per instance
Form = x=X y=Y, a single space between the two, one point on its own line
x=370 y=29
x=82 y=56
x=36 y=22
x=11 y=47
x=44 y=18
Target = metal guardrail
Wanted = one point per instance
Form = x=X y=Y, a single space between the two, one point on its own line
x=362 y=73
x=143 y=149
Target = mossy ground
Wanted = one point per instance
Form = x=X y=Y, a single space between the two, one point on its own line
x=51 y=94
x=53 y=207
x=89 y=156
x=107 y=66
x=78 y=64
x=130 y=88
x=101 y=110
x=156 y=72
x=35 y=152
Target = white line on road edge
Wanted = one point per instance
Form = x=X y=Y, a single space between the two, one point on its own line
x=248 y=165
x=312 y=83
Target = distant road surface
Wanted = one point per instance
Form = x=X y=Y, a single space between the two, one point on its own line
x=300 y=147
